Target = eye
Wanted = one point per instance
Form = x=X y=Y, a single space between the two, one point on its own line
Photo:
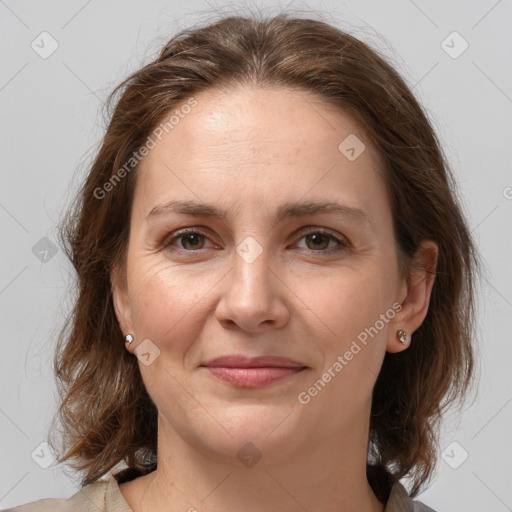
x=318 y=241
x=188 y=241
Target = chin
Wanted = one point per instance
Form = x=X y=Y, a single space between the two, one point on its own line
x=272 y=435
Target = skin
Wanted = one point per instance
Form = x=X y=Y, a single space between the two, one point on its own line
x=248 y=151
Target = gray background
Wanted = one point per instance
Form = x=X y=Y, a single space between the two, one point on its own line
x=52 y=122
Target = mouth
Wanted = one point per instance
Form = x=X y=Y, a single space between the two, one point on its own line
x=253 y=372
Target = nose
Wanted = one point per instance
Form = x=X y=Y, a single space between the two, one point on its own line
x=253 y=295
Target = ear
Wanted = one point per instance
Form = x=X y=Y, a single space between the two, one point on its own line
x=418 y=290
x=121 y=299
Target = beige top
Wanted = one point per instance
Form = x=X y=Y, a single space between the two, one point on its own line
x=105 y=496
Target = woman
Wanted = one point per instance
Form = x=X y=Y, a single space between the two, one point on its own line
x=271 y=228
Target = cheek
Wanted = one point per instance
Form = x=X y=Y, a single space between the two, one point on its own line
x=357 y=310
x=166 y=303
x=351 y=301
x=355 y=314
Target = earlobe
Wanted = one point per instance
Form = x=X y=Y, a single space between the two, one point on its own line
x=120 y=299
x=416 y=302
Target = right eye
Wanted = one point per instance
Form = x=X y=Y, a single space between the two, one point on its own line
x=192 y=238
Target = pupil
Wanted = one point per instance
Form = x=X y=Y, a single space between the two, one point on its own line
x=317 y=238
x=192 y=239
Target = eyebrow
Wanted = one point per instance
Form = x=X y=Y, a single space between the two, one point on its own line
x=287 y=210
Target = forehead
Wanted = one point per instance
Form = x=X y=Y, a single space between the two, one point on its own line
x=251 y=118
x=249 y=142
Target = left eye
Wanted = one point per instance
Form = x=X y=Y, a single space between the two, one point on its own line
x=319 y=242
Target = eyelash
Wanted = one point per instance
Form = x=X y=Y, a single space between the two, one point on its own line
x=342 y=245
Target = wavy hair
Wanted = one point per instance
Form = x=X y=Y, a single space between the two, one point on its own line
x=106 y=413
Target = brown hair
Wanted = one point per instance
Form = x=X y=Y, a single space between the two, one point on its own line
x=106 y=413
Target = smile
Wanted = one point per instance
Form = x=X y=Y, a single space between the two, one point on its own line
x=253 y=377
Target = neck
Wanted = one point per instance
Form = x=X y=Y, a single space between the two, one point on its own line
x=329 y=476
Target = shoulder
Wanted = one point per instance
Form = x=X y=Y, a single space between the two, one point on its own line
x=400 y=501
x=88 y=498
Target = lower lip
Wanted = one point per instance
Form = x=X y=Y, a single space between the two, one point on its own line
x=253 y=377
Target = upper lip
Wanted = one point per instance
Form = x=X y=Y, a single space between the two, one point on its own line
x=239 y=361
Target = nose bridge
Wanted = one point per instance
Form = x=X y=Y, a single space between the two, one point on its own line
x=251 y=264
x=253 y=255
x=252 y=297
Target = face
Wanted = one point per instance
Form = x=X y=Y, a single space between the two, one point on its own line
x=271 y=273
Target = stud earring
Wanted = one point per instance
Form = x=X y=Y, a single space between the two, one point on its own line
x=128 y=338
x=403 y=337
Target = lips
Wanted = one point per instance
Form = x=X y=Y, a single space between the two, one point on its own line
x=237 y=361
x=253 y=372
